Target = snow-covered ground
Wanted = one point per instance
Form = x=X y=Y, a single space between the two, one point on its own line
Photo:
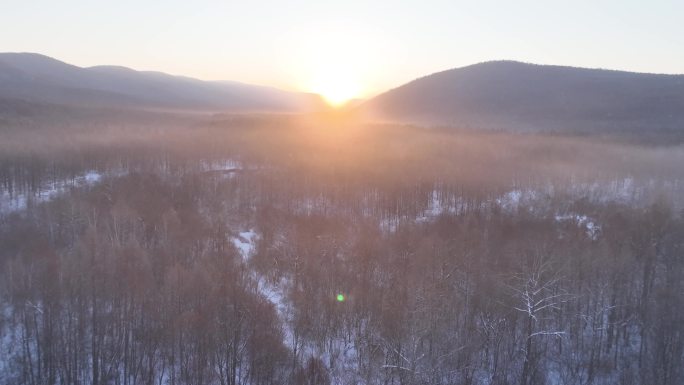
x=438 y=206
x=7 y=340
x=593 y=229
x=340 y=356
x=10 y=203
x=225 y=168
x=246 y=242
x=220 y=165
x=539 y=201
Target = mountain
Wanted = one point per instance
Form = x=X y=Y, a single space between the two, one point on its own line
x=35 y=78
x=518 y=96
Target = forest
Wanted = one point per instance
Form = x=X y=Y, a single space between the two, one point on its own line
x=279 y=249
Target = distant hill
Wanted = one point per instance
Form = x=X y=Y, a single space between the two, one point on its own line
x=517 y=96
x=37 y=79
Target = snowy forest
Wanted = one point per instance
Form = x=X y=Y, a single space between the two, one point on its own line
x=247 y=249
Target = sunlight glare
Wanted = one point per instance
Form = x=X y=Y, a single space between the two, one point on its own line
x=336 y=88
x=337 y=60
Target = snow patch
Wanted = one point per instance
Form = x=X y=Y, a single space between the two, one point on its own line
x=220 y=165
x=593 y=229
x=245 y=242
x=10 y=203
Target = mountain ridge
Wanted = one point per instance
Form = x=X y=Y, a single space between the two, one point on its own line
x=42 y=79
x=523 y=96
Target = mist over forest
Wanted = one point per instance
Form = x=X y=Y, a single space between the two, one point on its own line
x=501 y=223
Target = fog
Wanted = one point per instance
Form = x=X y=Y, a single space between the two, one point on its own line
x=172 y=248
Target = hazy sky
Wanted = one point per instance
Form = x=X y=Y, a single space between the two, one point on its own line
x=373 y=45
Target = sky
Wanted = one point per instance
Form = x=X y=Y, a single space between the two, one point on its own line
x=358 y=47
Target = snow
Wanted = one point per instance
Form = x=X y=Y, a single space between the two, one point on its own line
x=274 y=293
x=537 y=201
x=436 y=207
x=224 y=168
x=220 y=165
x=245 y=242
x=10 y=203
x=341 y=358
x=6 y=339
x=92 y=177
x=553 y=377
x=342 y=354
x=389 y=225
x=593 y=230
x=510 y=200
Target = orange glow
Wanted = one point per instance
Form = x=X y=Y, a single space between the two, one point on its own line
x=334 y=61
x=335 y=87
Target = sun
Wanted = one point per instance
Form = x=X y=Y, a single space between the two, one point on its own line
x=335 y=87
x=336 y=60
x=333 y=60
x=336 y=93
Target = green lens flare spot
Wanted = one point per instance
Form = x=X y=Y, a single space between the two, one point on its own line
x=340 y=298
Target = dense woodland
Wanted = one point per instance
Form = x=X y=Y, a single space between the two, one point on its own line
x=213 y=251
